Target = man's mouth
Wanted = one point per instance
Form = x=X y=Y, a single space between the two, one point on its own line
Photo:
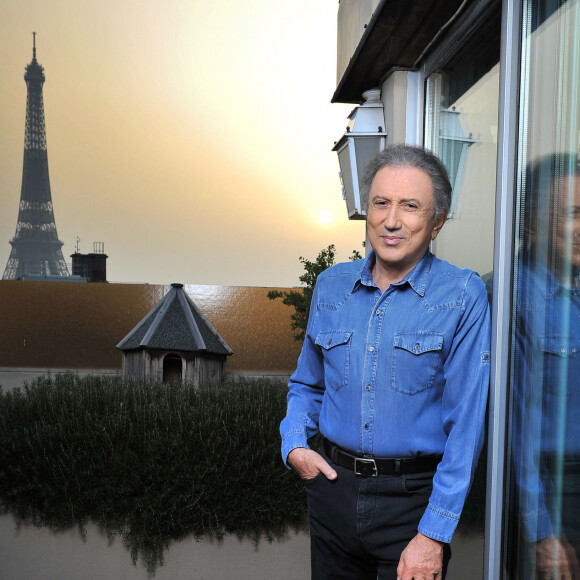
x=391 y=240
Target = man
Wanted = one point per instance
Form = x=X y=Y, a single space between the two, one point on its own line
x=394 y=374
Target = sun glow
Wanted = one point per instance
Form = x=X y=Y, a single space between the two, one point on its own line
x=325 y=217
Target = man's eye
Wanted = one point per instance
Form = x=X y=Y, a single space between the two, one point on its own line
x=410 y=206
x=571 y=213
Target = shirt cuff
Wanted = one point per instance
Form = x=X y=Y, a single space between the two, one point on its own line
x=537 y=525
x=438 y=524
x=292 y=440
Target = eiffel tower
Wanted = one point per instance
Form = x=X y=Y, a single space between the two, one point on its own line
x=36 y=250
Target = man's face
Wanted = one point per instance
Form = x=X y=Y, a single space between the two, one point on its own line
x=400 y=219
x=567 y=238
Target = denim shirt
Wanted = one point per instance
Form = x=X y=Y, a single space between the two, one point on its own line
x=398 y=374
x=546 y=402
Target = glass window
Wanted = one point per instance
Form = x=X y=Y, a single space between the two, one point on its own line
x=461 y=120
x=542 y=490
x=461 y=128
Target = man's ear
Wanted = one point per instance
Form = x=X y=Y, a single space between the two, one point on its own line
x=438 y=225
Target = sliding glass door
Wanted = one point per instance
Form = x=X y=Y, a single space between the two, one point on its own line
x=541 y=515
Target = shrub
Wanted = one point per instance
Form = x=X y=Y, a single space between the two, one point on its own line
x=150 y=462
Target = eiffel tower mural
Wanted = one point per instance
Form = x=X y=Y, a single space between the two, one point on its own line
x=36 y=250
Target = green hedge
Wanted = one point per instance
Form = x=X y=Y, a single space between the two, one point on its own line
x=150 y=462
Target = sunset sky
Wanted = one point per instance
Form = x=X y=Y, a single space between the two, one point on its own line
x=192 y=138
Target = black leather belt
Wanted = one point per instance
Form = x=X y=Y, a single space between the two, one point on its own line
x=371 y=467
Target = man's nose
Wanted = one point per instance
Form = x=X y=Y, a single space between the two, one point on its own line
x=393 y=217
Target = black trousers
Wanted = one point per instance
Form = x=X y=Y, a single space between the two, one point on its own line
x=360 y=525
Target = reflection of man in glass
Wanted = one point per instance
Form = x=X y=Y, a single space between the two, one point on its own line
x=546 y=426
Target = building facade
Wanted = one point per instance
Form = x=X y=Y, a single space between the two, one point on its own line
x=493 y=88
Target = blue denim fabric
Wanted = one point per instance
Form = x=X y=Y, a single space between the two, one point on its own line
x=546 y=405
x=397 y=374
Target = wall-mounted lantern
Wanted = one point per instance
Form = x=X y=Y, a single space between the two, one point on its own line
x=364 y=138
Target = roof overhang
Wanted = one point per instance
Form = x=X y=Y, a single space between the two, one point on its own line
x=396 y=37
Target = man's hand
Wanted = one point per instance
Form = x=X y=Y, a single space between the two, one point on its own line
x=422 y=559
x=308 y=464
x=552 y=560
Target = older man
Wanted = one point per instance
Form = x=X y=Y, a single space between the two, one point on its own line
x=394 y=374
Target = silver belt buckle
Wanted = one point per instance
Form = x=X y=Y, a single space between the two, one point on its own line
x=365 y=460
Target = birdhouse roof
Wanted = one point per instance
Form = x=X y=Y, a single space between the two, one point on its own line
x=175 y=323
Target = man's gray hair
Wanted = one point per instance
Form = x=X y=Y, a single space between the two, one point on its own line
x=401 y=155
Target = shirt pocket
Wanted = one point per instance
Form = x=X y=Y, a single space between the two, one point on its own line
x=416 y=361
x=561 y=358
x=335 y=347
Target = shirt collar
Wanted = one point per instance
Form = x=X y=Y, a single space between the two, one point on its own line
x=416 y=278
x=552 y=285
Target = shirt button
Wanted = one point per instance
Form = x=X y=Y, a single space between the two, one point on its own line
x=417 y=347
x=372 y=348
x=368 y=387
x=366 y=425
x=377 y=312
